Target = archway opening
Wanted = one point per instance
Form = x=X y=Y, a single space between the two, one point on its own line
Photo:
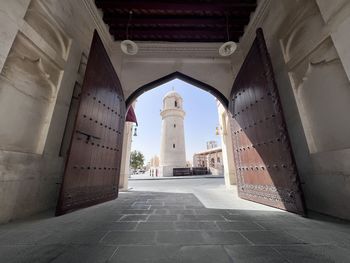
x=207 y=145
x=177 y=75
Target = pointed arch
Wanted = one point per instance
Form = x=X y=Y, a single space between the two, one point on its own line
x=177 y=75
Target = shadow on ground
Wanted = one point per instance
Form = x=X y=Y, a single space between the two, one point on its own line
x=174 y=227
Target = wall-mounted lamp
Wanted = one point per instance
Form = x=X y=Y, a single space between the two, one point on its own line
x=134 y=130
x=219 y=130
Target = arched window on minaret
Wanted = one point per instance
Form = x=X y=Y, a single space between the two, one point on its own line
x=175 y=103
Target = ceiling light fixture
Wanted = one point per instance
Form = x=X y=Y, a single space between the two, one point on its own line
x=229 y=47
x=129 y=47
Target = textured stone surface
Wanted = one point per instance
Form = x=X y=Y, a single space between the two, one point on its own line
x=207 y=235
x=203 y=254
x=314 y=254
x=254 y=254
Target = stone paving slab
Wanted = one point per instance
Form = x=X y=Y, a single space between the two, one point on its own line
x=209 y=217
x=126 y=238
x=225 y=238
x=321 y=236
x=143 y=254
x=161 y=211
x=137 y=212
x=205 y=211
x=117 y=226
x=166 y=227
x=181 y=212
x=26 y=254
x=270 y=237
x=134 y=218
x=238 y=226
x=255 y=254
x=189 y=225
x=203 y=254
x=181 y=237
x=86 y=254
x=161 y=218
x=314 y=254
x=155 y=226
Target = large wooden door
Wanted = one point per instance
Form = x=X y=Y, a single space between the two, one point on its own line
x=265 y=166
x=93 y=165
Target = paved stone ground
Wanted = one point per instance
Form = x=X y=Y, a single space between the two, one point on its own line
x=211 y=191
x=174 y=227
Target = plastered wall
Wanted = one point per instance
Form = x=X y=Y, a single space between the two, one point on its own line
x=42 y=50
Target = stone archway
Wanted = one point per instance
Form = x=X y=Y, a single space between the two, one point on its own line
x=177 y=75
x=153 y=85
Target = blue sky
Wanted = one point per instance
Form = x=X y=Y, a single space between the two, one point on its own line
x=200 y=121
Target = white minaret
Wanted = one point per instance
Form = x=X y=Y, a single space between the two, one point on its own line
x=172 y=148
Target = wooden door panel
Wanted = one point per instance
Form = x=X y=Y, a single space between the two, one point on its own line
x=92 y=168
x=265 y=166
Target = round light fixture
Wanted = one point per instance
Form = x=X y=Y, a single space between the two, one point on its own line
x=129 y=47
x=227 y=49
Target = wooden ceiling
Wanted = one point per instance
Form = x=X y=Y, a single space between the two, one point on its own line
x=176 y=20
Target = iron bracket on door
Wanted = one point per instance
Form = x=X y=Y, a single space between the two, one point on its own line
x=88 y=135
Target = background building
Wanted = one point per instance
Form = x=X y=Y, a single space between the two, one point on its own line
x=210 y=159
x=154 y=166
x=212 y=144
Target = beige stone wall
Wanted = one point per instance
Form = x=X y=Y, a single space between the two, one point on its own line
x=125 y=163
x=309 y=46
x=226 y=145
x=41 y=58
x=156 y=60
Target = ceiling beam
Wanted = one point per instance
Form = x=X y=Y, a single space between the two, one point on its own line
x=114 y=21
x=177 y=20
x=134 y=5
x=166 y=35
x=181 y=39
x=167 y=31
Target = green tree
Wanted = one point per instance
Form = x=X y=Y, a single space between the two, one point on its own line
x=137 y=160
